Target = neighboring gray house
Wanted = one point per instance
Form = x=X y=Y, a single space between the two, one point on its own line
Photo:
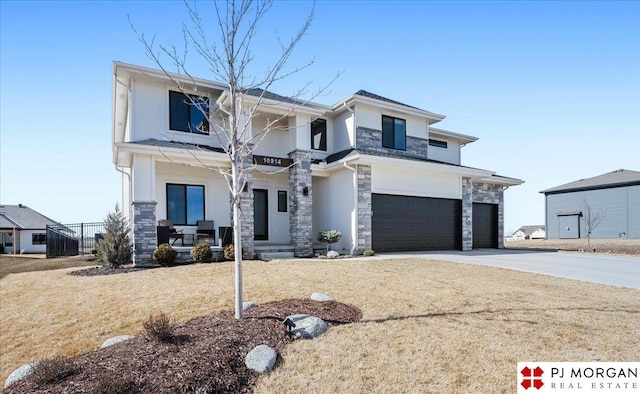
x=23 y=230
x=616 y=195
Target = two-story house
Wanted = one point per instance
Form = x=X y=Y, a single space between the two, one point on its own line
x=373 y=168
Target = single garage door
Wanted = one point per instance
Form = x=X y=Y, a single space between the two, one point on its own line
x=485 y=225
x=404 y=223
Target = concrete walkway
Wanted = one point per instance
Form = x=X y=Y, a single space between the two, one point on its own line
x=622 y=271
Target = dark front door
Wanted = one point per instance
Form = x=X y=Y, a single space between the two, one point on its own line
x=260 y=215
x=485 y=225
x=415 y=223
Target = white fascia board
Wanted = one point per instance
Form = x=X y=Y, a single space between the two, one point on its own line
x=462 y=138
x=120 y=67
x=176 y=155
x=276 y=106
x=354 y=99
x=501 y=180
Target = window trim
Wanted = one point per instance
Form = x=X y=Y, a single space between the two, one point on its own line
x=393 y=132
x=187 y=129
x=323 y=147
x=186 y=205
x=438 y=143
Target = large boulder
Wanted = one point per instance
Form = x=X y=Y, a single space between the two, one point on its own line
x=332 y=254
x=320 y=297
x=20 y=373
x=308 y=326
x=113 y=340
x=261 y=359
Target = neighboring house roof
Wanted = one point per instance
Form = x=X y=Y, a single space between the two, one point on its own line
x=616 y=178
x=22 y=217
x=528 y=230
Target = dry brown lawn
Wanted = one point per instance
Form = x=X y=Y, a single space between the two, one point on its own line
x=601 y=245
x=428 y=326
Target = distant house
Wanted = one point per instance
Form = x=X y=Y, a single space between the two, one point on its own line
x=529 y=232
x=23 y=230
x=616 y=195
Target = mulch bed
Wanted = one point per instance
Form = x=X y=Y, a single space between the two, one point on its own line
x=96 y=271
x=205 y=355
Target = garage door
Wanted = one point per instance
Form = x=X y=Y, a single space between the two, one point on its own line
x=569 y=226
x=485 y=225
x=403 y=223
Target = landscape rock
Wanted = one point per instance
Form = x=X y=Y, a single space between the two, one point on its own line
x=332 y=254
x=117 y=339
x=261 y=359
x=20 y=373
x=320 y=297
x=308 y=326
x=248 y=305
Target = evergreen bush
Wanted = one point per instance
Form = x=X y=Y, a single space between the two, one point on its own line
x=201 y=253
x=165 y=255
x=115 y=248
x=329 y=237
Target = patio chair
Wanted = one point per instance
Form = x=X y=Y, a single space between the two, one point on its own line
x=173 y=233
x=205 y=230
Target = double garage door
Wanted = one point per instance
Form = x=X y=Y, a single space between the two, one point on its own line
x=405 y=223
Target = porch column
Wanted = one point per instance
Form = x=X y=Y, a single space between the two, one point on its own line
x=467 y=214
x=300 y=202
x=246 y=210
x=364 y=208
x=144 y=232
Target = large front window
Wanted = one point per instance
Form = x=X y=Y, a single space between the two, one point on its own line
x=319 y=134
x=394 y=133
x=186 y=113
x=185 y=204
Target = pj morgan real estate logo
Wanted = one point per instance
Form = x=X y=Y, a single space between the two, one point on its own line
x=568 y=377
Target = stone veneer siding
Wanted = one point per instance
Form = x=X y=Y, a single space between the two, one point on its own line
x=492 y=194
x=246 y=211
x=364 y=208
x=370 y=141
x=467 y=214
x=144 y=232
x=300 y=209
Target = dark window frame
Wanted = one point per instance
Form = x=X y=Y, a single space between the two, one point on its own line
x=186 y=204
x=283 y=202
x=319 y=126
x=39 y=239
x=389 y=136
x=191 y=110
x=438 y=143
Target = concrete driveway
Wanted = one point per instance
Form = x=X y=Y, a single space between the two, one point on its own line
x=622 y=271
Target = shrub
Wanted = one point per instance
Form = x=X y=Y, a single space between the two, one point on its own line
x=329 y=237
x=368 y=252
x=54 y=370
x=159 y=327
x=229 y=252
x=115 y=249
x=201 y=253
x=165 y=255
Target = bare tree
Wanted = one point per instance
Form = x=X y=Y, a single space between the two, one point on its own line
x=591 y=221
x=228 y=59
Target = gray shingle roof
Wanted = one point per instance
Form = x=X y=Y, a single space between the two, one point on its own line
x=615 y=178
x=528 y=230
x=22 y=217
x=364 y=93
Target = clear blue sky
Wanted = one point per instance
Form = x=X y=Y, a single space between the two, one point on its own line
x=552 y=89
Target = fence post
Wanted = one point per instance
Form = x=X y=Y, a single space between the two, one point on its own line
x=81 y=239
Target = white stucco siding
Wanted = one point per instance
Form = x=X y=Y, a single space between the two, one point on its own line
x=618 y=205
x=150 y=115
x=343 y=134
x=410 y=182
x=26 y=245
x=333 y=207
x=278 y=221
x=216 y=193
x=450 y=154
x=143 y=177
x=277 y=142
x=371 y=118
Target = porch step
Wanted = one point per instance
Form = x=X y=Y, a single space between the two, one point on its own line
x=275 y=255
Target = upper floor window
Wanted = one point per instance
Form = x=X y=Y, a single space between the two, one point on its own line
x=394 y=133
x=319 y=134
x=185 y=203
x=438 y=143
x=185 y=113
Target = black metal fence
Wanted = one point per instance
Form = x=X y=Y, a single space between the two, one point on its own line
x=64 y=240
